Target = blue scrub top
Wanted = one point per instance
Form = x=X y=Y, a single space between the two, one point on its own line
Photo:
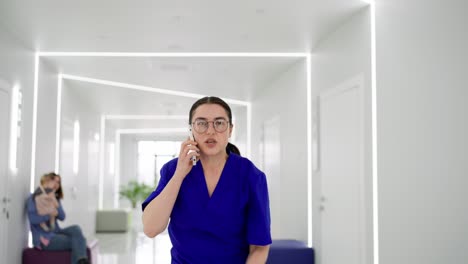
x=220 y=228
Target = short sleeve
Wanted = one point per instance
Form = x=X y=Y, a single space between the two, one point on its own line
x=258 y=211
x=166 y=174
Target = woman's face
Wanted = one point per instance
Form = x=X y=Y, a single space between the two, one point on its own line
x=211 y=142
x=50 y=183
x=56 y=182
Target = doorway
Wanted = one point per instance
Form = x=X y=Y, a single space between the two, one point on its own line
x=272 y=166
x=4 y=170
x=342 y=174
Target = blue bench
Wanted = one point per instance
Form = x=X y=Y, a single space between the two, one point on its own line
x=290 y=251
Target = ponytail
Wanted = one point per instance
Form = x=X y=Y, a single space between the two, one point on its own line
x=231 y=148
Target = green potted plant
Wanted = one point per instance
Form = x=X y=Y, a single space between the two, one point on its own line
x=135 y=192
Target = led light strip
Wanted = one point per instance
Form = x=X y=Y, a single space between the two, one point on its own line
x=145 y=117
x=101 y=162
x=14 y=116
x=146 y=88
x=57 y=125
x=375 y=187
x=34 y=124
x=178 y=54
x=309 y=148
x=169 y=92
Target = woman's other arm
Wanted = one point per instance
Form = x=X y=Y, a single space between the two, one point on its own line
x=258 y=219
x=60 y=212
x=258 y=254
x=157 y=212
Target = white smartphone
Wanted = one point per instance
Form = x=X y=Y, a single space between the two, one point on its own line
x=193 y=158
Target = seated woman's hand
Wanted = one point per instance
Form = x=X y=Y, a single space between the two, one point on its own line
x=54 y=213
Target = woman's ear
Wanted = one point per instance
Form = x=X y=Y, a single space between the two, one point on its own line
x=230 y=130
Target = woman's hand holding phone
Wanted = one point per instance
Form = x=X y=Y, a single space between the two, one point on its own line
x=193 y=157
x=188 y=152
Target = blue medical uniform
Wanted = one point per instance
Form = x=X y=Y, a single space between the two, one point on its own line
x=220 y=228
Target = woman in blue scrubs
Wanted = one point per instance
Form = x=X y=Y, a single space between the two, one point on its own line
x=218 y=208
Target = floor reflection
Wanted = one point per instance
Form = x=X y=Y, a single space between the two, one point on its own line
x=133 y=247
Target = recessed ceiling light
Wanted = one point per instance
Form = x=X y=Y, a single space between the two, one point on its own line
x=174 y=47
x=260 y=11
x=177 y=18
x=245 y=36
x=150 y=63
x=168 y=104
x=174 y=67
x=103 y=37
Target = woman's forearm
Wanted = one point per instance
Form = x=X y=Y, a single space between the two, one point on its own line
x=34 y=217
x=157 y=212
x=60 y=213
x=258 y=254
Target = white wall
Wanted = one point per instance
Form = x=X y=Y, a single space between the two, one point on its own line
x=81 y=189
x=422 y=123
x=128 y=164
x=46 y=120
x=285 y=98
x=109 y=174
x=338 y=57
x=17 y=67
x=239 y=136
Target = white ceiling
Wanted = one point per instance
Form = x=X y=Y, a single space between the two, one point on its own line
x=172 y=26
x=234 y=77
x=111 y=100
x=176 y=25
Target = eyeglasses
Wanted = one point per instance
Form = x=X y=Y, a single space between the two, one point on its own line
x=219 y=125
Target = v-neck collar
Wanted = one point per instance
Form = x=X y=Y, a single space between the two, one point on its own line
x=220 y=181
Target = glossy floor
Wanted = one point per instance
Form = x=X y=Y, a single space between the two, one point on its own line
x=133 y=247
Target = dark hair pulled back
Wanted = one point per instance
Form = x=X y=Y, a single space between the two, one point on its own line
x=230 y=148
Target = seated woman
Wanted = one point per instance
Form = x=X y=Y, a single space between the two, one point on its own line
x=56 y=238
x=46 y=201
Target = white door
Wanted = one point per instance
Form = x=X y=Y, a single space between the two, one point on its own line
x=341 y=156
x=4 y=171
x=271 y=161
